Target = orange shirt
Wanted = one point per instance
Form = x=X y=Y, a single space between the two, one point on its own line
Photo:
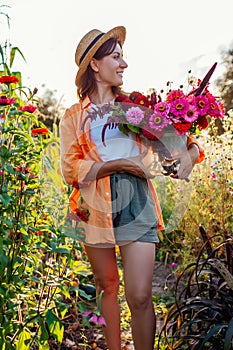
x=78 y=155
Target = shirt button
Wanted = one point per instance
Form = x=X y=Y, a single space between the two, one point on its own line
x=108 y=214
x=107 y=193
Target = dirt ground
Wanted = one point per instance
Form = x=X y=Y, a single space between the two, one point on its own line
x=86 y=339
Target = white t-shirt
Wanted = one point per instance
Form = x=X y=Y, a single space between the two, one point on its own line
x=117 y=145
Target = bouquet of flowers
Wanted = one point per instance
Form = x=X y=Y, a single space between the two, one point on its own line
x=163 y=123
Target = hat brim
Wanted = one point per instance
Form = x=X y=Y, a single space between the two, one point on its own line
x=118 y=33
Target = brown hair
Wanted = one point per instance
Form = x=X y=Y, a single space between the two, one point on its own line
x=87 y=83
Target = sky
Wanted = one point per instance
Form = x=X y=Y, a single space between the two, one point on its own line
x=165 y=39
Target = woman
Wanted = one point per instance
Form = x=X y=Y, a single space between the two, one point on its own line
x=113 y=183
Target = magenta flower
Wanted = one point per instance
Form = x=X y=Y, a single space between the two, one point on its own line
x=162 y=108
x=158 y=122
x=94 y=318
x=28 y=108
x=221 y=110
x=175 y=95
x=191 y=114
x=179 y=107
x=202 y=104
x=134 y=115
x=5 y=101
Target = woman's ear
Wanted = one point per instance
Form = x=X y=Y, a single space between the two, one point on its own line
x=94 y=65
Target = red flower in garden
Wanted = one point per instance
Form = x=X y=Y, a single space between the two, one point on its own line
x=24 y=170
x=139 y=99
x=202 y=122
x=8 y=79
x=175 y=95
x=37 y=233
x=82 y=214
x=122 y=98
x=39 y=131
x=182 y=128
x=5 y=101
x=28 y=108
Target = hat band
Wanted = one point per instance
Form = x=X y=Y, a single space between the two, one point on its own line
x=90 y=46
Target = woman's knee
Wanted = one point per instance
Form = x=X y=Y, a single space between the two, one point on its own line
x=109 y=284
x=138 y=299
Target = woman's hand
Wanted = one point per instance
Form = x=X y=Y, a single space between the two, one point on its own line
x=139 y=166
x=187 y=162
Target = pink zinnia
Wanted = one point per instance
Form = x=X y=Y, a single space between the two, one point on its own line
x=134 y=115
x=158 y=122
x=174 y=95
x=179 y=107
x=5 y=101
x=221 y=110
x=28 y=108
x=191 y=114
x=162 y=108
x=202 y=104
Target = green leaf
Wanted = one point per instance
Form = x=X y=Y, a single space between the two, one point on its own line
x=23 y=338
x=133 y=128
x=12 y=55
x=5 y=199
x=2 y=55
x=123 y=130
x=44 y=346
x=229 y=336
x=55 y=326
x=44 y=334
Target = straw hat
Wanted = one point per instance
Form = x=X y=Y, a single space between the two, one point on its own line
x=90 y=43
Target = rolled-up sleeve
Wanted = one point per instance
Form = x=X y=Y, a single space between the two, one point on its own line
x=192 y=140
x=75 y=165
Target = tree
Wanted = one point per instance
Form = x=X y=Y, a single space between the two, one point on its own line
x=50 y=109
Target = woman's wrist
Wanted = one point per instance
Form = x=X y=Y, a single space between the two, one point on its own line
x=194 y=152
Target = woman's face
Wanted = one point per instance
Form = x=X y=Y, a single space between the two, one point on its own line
x=109 y=69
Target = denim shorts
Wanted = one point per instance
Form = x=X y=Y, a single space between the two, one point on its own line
x=133 y=213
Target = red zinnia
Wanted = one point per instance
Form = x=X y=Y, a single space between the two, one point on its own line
x=39 y=131
x=122 y=98
x=8 y=79
x=182 y=127
x=202 y=122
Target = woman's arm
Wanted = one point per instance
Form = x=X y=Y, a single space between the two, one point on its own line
x=134 y=165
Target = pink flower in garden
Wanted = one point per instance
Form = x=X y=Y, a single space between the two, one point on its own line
x=28 y=108
x=5 y=101
x=158 y=122
x=134 y=115
x=173 y=264
x=191 y=114
x=94 y=318
x=202 y=104
x=179 y=107
x=162 y=108
x=214 y=176
x=174 y=95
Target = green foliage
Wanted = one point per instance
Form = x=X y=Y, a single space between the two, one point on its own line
x=206 y=200
x=40 y=262
x=202 y=316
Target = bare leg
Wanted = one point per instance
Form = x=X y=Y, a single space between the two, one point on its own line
x=138 y=260
x=104 y=266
